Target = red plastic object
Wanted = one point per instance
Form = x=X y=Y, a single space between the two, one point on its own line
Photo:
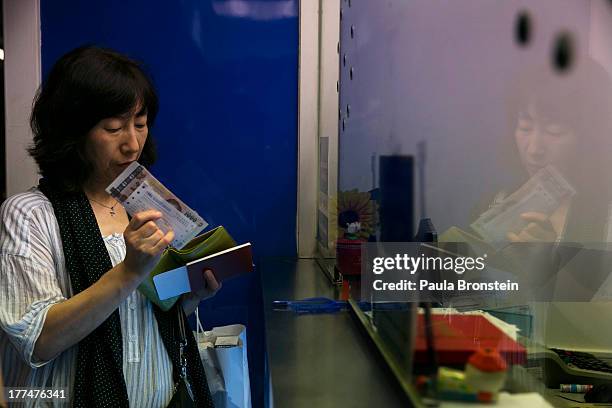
x=487 y=360
x=348 y=256
x=484 y=396
x=346 y=290
x=457 y=337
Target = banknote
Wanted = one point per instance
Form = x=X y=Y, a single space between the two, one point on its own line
x=542 y=193
x=138 y=190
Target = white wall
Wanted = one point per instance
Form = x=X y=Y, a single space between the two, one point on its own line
x=308 y=123
x=22 y=76
x=328 y=123
x=318 y=116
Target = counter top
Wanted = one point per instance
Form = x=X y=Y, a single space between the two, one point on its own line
x=320 y=360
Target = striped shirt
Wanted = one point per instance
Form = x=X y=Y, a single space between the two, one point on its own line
x=33 y=277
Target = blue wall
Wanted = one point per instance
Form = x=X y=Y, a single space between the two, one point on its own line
x=226 y=73
x=228 y=93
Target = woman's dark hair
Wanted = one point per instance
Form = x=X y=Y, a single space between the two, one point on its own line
x=84 y=86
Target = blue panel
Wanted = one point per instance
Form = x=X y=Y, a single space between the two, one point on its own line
x=226 y=72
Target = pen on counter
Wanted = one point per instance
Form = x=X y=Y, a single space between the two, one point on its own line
x=576 y=388
x=310 y=305
x=316 y=305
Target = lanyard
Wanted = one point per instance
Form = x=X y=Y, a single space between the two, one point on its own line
x=182 y=354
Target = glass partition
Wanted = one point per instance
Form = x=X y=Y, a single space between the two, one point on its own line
x=494 y=121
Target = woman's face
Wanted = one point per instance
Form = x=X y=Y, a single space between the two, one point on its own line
x=114 y=143
x=541 y=142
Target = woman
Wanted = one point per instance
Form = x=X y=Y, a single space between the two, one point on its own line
x=563 y=120
x=71 y=259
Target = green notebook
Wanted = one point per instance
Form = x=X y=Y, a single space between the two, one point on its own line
x=206 y=244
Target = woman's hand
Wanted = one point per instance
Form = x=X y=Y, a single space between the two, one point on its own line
x=538 y=261
x=538 y=229
x=68 y=322
x=144 y=242
x=210 y=289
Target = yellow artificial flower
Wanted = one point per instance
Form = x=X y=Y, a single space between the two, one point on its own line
x=353 y=207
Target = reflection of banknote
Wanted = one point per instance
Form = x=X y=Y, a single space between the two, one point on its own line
x=138 y=190
x=542 y=193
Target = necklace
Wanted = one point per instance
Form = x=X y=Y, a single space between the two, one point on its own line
x=111 y=208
